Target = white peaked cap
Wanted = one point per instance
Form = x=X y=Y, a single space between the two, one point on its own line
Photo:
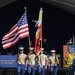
x=21 y=48
x=42 y=48
x=52 y=51
x=31 y=48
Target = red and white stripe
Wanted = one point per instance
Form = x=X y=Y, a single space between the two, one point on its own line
x=14 y=35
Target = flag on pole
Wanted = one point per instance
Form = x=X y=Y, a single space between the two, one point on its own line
x=37 y=41
x=18 y=31
x=38 y=36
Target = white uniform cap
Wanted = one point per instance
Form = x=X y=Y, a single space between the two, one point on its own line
x=31 y=48
x=21 y=48
x=42 y=48
x=53 y=51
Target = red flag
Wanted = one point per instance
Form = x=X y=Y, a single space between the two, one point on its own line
x=17 y=32
x=38 y=36
x=40 y=31
x=37 y=41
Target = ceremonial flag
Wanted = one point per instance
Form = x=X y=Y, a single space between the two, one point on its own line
x=38 y=36
x=18 y=31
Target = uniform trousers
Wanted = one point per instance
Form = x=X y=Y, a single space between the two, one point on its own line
x=41 y=70
x=21 y=67
x=31 y=69
x=53 y=70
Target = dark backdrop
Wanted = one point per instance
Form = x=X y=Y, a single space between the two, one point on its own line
x=58 y=25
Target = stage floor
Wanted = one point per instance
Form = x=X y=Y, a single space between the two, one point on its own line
x=13 y=71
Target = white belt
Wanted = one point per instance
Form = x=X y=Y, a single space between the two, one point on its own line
x=21 y=63
x=53 y=64
x=41 y=65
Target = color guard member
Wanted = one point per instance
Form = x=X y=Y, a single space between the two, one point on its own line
x=53 y=59
x=21 y=61
x=42 y=62
x=31 y=65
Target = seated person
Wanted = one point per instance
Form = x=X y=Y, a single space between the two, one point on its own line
x=69 y=42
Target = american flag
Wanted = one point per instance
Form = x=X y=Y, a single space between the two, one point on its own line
x=17 y=32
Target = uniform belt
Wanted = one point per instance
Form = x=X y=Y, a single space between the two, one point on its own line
x=41 y=65
x=21 y=63
x=53 y=64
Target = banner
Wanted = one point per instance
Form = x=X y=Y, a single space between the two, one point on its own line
x=8 y=61
x=71 y=48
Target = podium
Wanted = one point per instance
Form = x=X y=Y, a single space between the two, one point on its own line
x=67 y=49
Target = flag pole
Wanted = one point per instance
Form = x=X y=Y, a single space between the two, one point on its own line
x=41 y=15
x=29 y=42
x=28 y=36
x=41 y=43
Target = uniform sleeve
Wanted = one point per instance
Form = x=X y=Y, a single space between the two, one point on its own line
x=29 y=56
x=49 y=60
x=57 y=60
x=46 y=58
x=34 y=55
x=25 y=57
x=17 y=58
